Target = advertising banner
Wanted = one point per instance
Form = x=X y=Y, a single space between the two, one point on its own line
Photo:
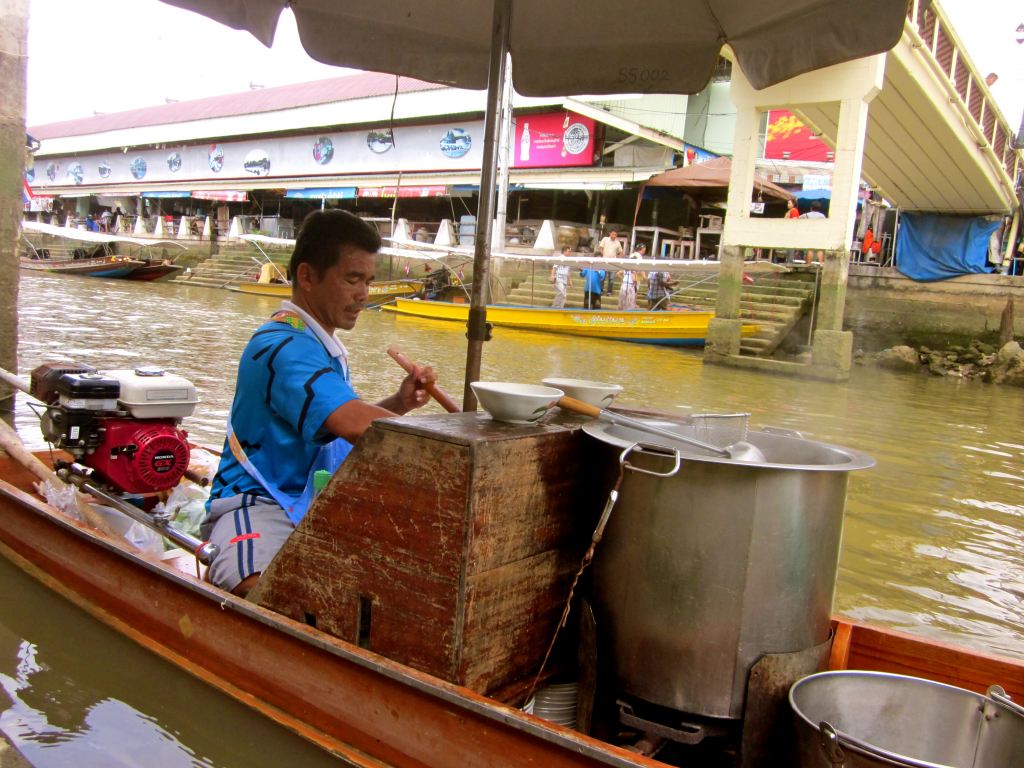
x=697 y=155
x=787 y=134
x=223 y=195
x=553 y=140
x=323 y=193
x=403 y=191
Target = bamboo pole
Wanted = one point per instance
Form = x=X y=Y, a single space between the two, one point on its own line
x=13 y=68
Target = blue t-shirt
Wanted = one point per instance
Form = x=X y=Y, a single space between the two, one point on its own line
x=287 y=387
x=594 y=278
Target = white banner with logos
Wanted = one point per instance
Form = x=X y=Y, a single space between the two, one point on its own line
x=444 y=147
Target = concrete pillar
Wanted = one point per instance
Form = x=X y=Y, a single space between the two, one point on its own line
x=832 y=294
x=13 y=66
x=832 y=349
x=725 y=330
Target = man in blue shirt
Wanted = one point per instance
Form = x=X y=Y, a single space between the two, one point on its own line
x=294 y=409
x=592 y=287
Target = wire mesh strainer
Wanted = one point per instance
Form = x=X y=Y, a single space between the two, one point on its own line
x=720 y=429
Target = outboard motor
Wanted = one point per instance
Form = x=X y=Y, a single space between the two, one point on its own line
x=122 y=424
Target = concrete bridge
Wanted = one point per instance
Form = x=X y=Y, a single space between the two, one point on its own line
x=917 y=123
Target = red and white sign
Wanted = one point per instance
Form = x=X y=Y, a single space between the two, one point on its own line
x=787 y=134
x=402 y=191
x=552 y=140
x=224 y=195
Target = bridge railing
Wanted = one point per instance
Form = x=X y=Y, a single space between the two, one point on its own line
x=931 y=30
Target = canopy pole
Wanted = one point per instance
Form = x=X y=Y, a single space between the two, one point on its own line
x=477 y=329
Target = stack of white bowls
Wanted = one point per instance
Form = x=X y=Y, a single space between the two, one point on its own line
x=557 y=704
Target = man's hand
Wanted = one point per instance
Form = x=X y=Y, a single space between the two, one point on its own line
x=411 y=394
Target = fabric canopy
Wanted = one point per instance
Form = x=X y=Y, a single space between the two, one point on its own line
x=658 y=46
x=710 y=175
x=932 y=247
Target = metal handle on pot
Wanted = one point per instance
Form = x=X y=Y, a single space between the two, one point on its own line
x=998 y=693
x=657 y=449
x=832 y=743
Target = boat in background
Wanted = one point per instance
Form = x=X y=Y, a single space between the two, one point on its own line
x=95 y=256
x=382 y=291
x=675 y=328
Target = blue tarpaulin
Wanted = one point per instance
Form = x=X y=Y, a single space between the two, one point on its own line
x=933 y=247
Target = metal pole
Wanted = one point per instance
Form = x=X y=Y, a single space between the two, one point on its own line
x=477 y=329
x=504 y=159
x=13 y=66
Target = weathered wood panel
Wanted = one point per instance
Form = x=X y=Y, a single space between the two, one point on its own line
x=457 y=533
x=399 y=497
x=511 y=615
x=527 y=497
x=412 y=614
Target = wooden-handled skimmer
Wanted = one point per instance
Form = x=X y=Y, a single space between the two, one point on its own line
x=435 y=391
x=741 y=451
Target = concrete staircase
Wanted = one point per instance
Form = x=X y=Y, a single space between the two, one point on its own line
x=775 y=305
x=233 y=264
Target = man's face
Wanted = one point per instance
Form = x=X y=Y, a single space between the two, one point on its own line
x=614 y=236
x=340 y=295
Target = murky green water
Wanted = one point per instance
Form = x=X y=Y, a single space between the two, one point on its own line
x=933 y=544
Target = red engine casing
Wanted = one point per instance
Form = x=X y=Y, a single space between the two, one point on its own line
x=157 y=462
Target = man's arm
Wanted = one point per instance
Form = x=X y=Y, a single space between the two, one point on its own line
x=351 y=419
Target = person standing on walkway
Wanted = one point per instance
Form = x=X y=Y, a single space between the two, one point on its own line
x=658 y=289
x=592 y=287
x=627 y=293
x=610 y=248
x=814 y=213
x=559 y=278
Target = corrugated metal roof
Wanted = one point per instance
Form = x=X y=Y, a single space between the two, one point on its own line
x=359 y=86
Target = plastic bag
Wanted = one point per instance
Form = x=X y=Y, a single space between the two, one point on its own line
x=144 y=539
x=186 y=507
x=203 y=463
x=61 y=497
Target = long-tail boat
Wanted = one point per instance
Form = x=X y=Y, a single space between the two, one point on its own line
x=94 y=255
x=304 y=653
x=678 y=328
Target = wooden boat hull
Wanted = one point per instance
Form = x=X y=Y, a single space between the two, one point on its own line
x=154 y=271
x=672 y=328
x=361 y=706
x=111 y=269
x=378 y=291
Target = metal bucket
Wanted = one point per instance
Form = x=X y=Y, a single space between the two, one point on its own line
x=700 y=574
x=860 y=719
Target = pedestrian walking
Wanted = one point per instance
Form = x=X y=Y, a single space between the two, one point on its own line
x=610 y=248
x=814 y=213
x=627 y=293
x=592 y=287
x=560 y=278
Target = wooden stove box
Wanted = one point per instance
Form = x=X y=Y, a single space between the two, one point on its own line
x=446 y=543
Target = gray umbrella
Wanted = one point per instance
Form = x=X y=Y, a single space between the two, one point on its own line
x=560 y=48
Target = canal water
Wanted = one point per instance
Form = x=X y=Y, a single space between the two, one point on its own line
x=933 y=541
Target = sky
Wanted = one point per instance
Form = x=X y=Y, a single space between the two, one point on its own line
x=100 y=55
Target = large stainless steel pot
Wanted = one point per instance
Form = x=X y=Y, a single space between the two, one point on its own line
x=861 y=719
x=700 y=574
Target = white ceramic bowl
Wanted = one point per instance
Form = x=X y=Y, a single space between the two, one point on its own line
x=592 y=393
x=515 y=403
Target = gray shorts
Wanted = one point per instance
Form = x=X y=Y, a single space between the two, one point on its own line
x=249 y=530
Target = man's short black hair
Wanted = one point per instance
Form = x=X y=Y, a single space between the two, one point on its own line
x=326 y=235
x=566 y=248
x=816 y=205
